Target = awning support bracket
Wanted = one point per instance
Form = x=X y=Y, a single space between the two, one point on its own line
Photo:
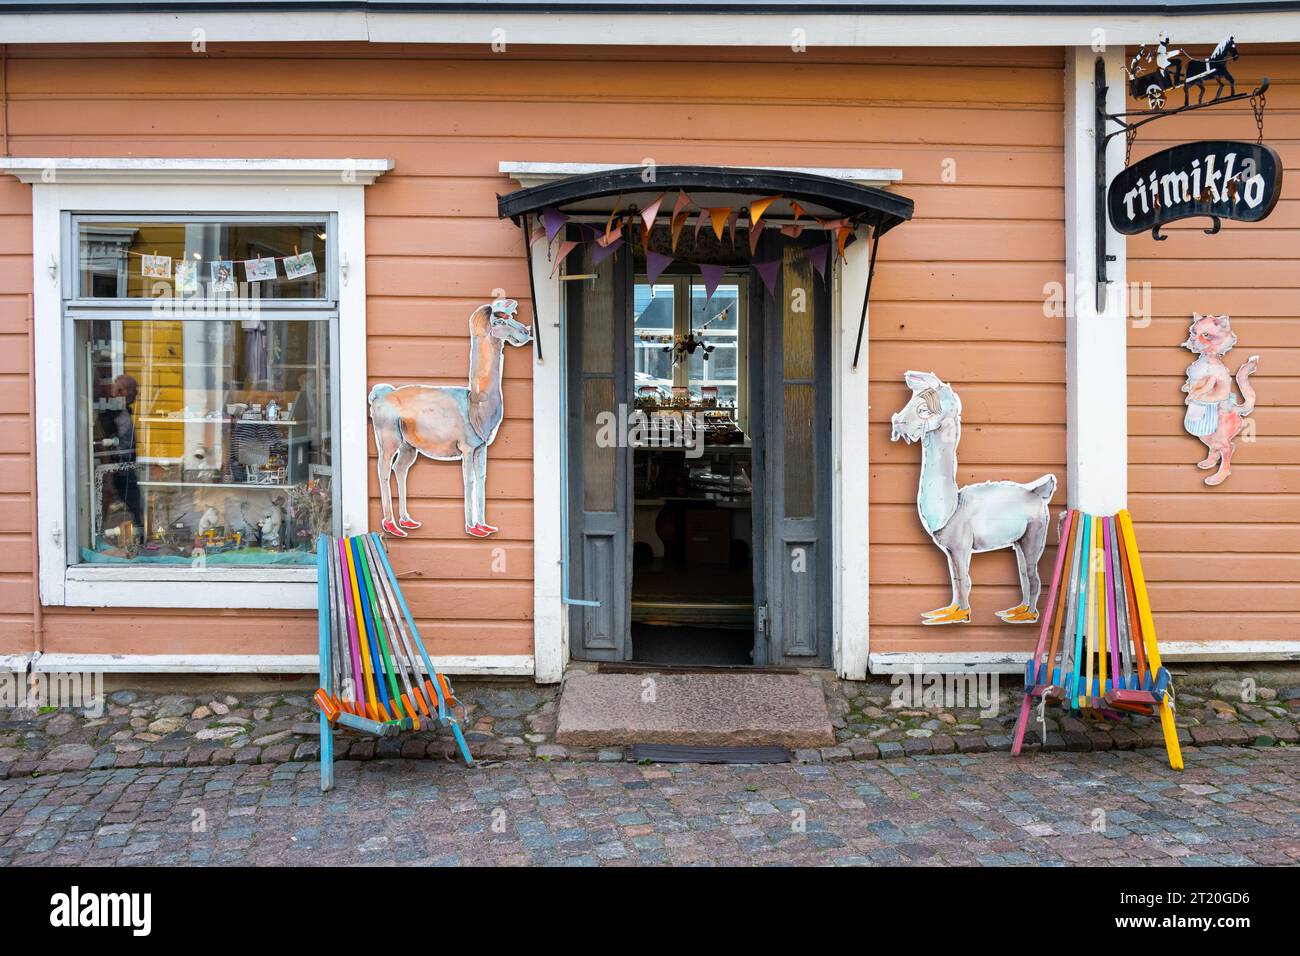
x=866 y=296
x=532 y=283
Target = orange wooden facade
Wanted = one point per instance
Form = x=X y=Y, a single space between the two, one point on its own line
x=960 y=290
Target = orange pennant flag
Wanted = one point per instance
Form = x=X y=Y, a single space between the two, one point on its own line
x=719 y=215
x=566 y=247
x=609 y=224
x=758 y=207
x=798 y=210
x=842 y=237
x=680 y=204
x=650 y=212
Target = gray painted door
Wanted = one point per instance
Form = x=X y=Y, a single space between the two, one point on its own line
x=598 y=323
x=795 y=625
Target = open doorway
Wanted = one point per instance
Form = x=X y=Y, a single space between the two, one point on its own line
x=692 y=587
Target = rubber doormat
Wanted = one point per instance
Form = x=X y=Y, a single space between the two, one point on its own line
x=682 y=753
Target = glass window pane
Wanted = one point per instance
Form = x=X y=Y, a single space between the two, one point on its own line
x=599 y=458
x=716 y=314
x=203 y=440
x=653 y=308
x=193 y=259
x=797 y=314
x=598 y=315
x=800 y=465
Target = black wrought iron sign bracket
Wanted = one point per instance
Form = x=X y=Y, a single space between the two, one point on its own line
x=1169 y=70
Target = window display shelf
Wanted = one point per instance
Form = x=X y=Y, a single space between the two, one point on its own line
x=163 y=419
x=216 y=484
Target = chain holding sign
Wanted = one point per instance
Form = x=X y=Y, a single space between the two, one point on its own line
x=1193 y=179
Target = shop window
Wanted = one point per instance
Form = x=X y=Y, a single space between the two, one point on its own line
x=203 y=396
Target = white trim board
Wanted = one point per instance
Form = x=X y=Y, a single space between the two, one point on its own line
x=641 y=29
x=1096 y=343
x=505 y=665
x=59 y=193
x=535 y=174
x=195 y=172
x=16 y=662
x=1013 y=662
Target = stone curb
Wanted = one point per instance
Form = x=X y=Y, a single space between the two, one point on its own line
x=365 y=749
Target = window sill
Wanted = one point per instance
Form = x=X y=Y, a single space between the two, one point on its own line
x=289 y=588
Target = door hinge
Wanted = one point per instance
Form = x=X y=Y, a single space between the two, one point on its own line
x=760 y=619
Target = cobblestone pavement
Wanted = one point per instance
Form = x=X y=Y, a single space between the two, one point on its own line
x=1233 y=806
x=515 y=720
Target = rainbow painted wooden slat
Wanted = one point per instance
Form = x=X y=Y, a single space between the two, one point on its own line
x=371 y=652
x=1109 y=663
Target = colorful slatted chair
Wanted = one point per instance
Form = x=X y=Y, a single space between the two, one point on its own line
x=376 y=676
x=1096 y=649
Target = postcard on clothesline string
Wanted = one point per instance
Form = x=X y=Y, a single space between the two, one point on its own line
x=296 y=267
x=187 y=277
x=156 y=267
x=259 y=270
x=221 y=275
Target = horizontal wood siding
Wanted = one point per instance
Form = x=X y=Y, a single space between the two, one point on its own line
x=1223 y=562
x=959 y=290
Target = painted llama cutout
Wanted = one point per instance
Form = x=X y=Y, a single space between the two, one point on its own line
x=975 y=518
x=1213 y=414
x=447 y=422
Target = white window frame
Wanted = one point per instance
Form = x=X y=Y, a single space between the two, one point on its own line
x=186 y=187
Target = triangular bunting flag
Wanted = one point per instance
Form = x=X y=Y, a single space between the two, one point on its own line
x=767 y=270
x=816 y=256
x=731 y=225
x=755 y=231
x=699 y=222
x=680 y=204
x=610 y=237
x=758 y=207
x=719 y=216
x=554 y=220
x=609 y=223
x=539 y=234
x=841 y=237
x=655 y=264
x=566 y=247
x=798 y=210
x=604 y=251
x=651 y=212
x=794 y=231
x=712 y=276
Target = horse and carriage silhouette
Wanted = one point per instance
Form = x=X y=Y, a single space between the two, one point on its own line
x=1173 y=72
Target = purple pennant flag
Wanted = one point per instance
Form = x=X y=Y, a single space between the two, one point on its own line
x=554 y=220
x=655 y=264
x=767 y=270
x=816 y=256
x=712 y=276
x=600 y=253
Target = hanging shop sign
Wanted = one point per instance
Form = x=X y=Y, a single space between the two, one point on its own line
x=1221 y=179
